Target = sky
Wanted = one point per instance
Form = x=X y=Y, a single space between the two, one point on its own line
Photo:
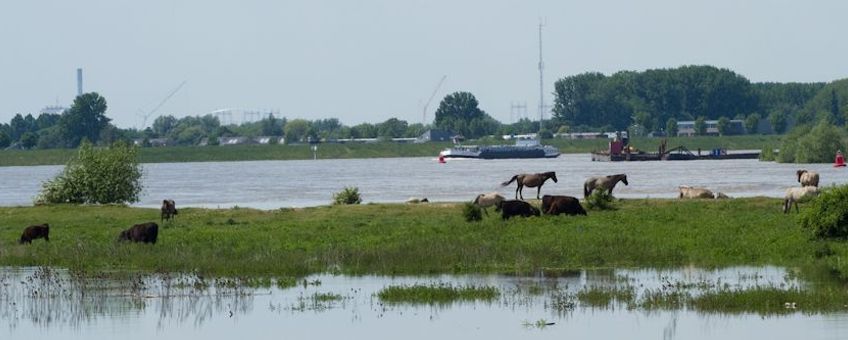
x=371 y=60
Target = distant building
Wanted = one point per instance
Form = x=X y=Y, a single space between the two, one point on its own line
x=687 y=127
x=434 y=135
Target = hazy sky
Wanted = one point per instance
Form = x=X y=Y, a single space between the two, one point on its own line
x=373 y=60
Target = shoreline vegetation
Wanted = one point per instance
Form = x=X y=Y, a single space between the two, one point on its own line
x=423 y=239
x=231 y=153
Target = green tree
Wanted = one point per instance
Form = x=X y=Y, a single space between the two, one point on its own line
x=84 y=119
x=751 y=123
x=700 y=126
x=296 y=130
x=29 y=140
x=834 y=108
x=777 y=119
x=96 y=176
x=163 y=125
x=722 y=125
x=456 y=112
x=392 y=128
x=671 y=127
x=5 y=140
x=820 y=144
x=271 y=126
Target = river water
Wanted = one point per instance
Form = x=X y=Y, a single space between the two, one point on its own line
x=51 y=304
x=275 y=184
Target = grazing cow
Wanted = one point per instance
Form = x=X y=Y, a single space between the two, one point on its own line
x=796 y=194
x=35 y=231
x=415 y=200
x=169 y=210
x=145 y=232
x=491 y=199
x=692 y=192
x=555 y=205
x=807 y=178
x=512 y=208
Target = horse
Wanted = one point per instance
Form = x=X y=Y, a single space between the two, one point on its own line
x=145 y=232
x=512 y=208
x=691 y=192
x=603 y=182
x=35 y=232
x=798 y=194
x=491 y=199
x=807 y=178
x=530 y=180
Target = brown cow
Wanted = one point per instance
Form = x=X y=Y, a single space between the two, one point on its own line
x=512 y=208
x=145 y=232
x=35 y=231
x=555 y=205
x=169 y=210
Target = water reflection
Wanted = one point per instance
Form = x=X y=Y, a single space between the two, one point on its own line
x=51 y=303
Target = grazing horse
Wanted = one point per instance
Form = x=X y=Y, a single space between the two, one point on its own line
x=692 y=192
x=796 y=194
x=145 y=232
x=603 y=182
x=512 y=208
x=491 y=199
x=807 y=178
x=530 y=180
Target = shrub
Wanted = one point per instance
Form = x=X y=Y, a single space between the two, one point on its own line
x=827 y=214
x=767 y=154
x=472 y=212
x=96 y=175
x=600 y=200
x=350 y=195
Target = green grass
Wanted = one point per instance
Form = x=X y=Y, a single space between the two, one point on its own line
x=441 y=293
x=418 y=239
x=376 y=150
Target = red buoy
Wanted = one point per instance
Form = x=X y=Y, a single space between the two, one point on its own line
x=441 y=159
x=840 y=160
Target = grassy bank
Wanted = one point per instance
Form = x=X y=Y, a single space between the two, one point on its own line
x=418 y=239
x=377 y=150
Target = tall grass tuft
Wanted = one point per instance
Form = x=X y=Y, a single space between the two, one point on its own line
x=437 y=293
x=349 y=195
x=600 y=200
x=472 y=212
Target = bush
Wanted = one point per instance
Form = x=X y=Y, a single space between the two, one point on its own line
x=827 y=214
x=350 y=195
x=600 y=200
x=96 y=175
x=818 y=144
x=472 y=212
x=767 y=154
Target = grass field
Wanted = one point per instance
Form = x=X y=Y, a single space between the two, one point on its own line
x=376 y=150
x=419 y=239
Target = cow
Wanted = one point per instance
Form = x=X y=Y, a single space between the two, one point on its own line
x=144 y=232
x=34 y=232
x=169 y=210
x=555 y=205
x=512 y=208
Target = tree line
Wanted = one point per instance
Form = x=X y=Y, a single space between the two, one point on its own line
x=653 y=100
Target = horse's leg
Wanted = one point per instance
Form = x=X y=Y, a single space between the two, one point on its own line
x=538 y=190
x=796 y=207
x=520 y=191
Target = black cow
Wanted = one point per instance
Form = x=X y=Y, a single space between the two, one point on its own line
x=169 y=210
x=512 y=208
x=555 y=205
x=35 y=231
x=145 y=232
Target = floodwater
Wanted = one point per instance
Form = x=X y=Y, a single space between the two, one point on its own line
x=43 y=303
x=276 y=184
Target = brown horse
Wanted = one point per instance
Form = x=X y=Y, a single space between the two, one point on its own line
x=530 y=180
x=603 y=182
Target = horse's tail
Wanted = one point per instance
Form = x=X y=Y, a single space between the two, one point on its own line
x=509 y=181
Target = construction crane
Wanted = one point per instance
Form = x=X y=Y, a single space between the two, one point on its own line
x=427 y=104
x=170 y=94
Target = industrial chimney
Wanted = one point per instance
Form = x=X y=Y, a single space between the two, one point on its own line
x=79 y=82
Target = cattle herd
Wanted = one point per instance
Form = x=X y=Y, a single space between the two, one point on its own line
x=148 y=232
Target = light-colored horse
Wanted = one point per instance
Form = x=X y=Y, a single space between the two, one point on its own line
x=807 y=178
x=486 y=200
x=798 y=194
x=603 y=182
x=692 y=192
x=530 y=180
